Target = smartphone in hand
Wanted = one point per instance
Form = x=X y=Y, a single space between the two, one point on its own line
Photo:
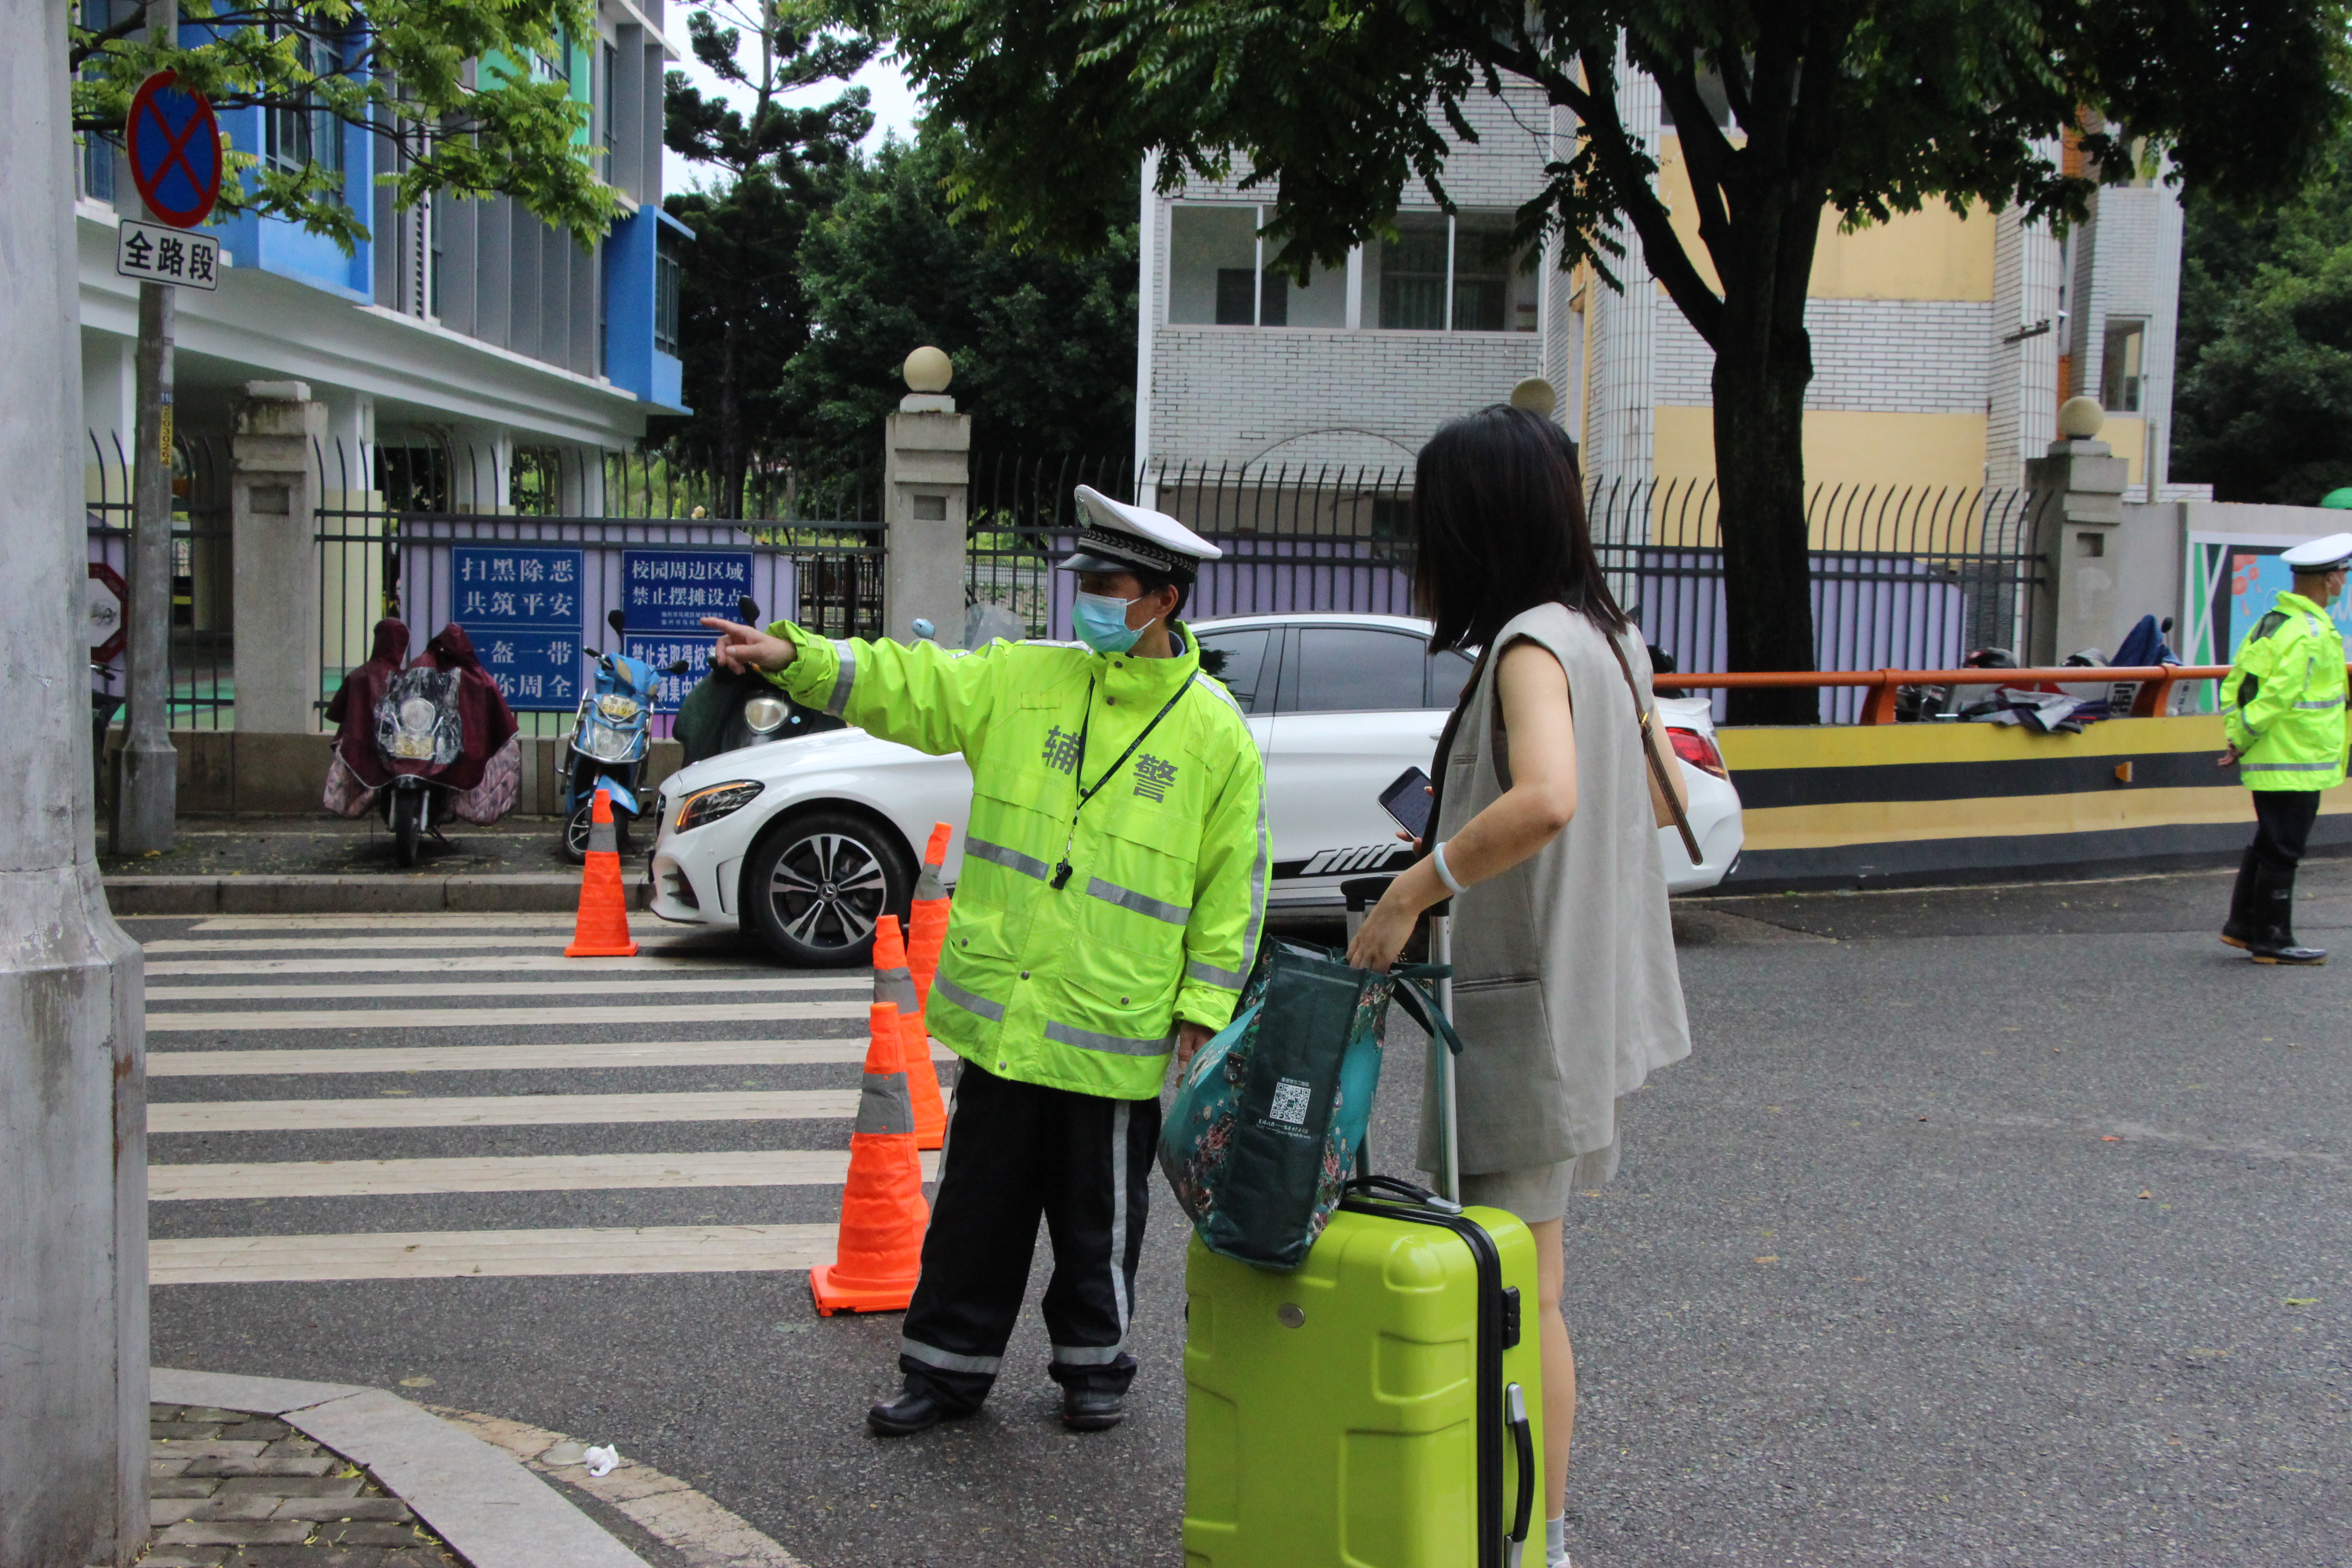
x=1408 y=800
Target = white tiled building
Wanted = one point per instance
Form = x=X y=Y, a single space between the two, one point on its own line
x=1942 y=344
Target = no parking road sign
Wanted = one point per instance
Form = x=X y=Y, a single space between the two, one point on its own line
x=175 y=152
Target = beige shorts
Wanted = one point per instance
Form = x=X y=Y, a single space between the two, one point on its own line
x=1539 y=1193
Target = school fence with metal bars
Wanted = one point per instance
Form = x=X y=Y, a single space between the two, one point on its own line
x=530 y=548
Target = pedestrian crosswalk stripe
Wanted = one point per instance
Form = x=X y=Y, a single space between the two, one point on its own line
x=402 y=990
x=514 y=1173
x=491 y=1254
x=715 y=943
x=506 y=1017
x=466 y=922
x=498 y=1111
x=484 y=964
x=516 y=1058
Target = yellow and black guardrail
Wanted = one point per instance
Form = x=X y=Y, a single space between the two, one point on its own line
x=1888 y=803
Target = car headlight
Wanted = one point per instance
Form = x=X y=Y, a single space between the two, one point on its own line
x=765 y=715
x=705 y=805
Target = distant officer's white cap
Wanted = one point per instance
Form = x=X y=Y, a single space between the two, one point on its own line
x=1120 y=537
x=2320 y=555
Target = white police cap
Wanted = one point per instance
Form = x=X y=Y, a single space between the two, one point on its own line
x=2315 y=555
x=1120 y=537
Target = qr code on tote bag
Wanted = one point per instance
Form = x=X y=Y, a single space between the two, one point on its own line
x=1290 y=1098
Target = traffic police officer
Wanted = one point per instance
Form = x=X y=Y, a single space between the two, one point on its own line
x=1113 y=888
x=2283 y=710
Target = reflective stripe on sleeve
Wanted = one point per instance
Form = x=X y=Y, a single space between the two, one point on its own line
x=2288 y=767
x=1210 y=974
x=1117 y=1045
x=1011 y=859
x=2322 y=707
x=1129 y=899
x=843 y=679
x=980 y=1006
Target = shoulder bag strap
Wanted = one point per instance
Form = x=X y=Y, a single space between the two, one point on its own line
x=1650 y=750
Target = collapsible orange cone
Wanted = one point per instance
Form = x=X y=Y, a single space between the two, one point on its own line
x=882 y=1210
x=927 y=929
x=603 y=929
x=893 y=984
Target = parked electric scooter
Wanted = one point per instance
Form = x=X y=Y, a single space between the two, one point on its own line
x=610 y=736
x=418 y=724
x=729 y=710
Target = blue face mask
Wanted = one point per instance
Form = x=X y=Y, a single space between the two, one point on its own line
x=1102 y=626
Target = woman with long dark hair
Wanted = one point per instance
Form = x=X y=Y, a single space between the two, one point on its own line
x=1546 y=838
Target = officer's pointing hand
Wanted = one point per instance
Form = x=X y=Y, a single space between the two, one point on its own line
x=745 y=649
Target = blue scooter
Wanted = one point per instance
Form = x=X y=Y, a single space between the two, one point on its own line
x=609 y=741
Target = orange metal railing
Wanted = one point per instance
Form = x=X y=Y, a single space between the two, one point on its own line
x=2155 y=694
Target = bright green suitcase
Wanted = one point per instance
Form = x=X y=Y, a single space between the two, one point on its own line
x=1378 y=1407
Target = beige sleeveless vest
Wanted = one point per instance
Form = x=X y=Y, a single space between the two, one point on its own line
x=1566 y=990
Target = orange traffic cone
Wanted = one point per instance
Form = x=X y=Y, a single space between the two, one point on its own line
x=603 y=929
x=927 y=926
x=893 y=984
x=882 y=1210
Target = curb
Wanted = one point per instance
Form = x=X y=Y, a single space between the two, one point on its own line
x=476 y=1497
x=391 y=894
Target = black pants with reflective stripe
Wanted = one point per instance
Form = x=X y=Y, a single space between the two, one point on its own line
x=1017 y=1151
x=2283 y=820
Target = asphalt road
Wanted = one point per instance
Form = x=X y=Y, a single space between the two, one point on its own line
x=1982 y=1227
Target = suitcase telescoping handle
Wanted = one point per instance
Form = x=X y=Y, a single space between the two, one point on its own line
x=1434 y=1011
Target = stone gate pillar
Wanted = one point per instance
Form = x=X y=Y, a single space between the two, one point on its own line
x=273 y=521
x=925 y=487
x=2075 y=502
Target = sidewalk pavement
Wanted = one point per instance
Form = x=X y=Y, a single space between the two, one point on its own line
x=323 y=865
x=273 y=1473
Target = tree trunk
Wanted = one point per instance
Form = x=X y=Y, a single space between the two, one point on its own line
x=1761 y=374
x=727 y=482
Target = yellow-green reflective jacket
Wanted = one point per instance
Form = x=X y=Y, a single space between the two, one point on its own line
x=1080 y=987
x=2283 y=700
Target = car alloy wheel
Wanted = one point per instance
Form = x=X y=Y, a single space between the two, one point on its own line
x=818 y=886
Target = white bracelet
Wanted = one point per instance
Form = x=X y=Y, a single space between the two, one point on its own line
x=1437 y=858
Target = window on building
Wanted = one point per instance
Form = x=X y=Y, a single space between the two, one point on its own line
x=297 y=137
x=98 y=152
x=1217 y=275
x=611 y=59
x=667 y=278
x=1492 y=292
x=1411 y=273
x=1442 y=274
x=2120 y=374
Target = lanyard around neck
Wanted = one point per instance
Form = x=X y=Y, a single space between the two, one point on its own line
x=1062 y=871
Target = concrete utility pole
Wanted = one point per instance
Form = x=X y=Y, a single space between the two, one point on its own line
x=73 y=1115
x=146 y=796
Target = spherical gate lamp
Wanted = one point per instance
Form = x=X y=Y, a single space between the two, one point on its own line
x=929 y=370
x=2079 y=418
x=1534 y=394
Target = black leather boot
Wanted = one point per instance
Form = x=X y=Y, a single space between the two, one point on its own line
x=2238 y=929
x=2273 y=906
x=1092 y=1409
x=909 y=1413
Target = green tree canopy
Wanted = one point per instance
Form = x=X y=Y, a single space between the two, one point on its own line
x=776 y=166
x=2263 y=412
x=1874 y=107
x=449 y=85
x=1044 y=345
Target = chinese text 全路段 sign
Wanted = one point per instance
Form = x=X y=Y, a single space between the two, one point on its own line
x=522 y=605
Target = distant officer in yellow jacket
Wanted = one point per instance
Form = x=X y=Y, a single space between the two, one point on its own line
x=1113 y=889
x=2283 y=710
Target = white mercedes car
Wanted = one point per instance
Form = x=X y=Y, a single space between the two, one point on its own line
x=809 y=840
